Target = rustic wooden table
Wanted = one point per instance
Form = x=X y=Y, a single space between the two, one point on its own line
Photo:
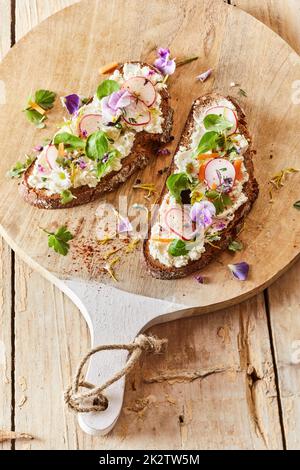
x=232 y=378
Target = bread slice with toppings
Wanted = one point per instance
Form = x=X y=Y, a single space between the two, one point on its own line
x=210 y=190
x=63 y=176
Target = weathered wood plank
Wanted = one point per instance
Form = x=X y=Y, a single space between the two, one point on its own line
x=5 y=272
x=283 y=16
x=237 y=406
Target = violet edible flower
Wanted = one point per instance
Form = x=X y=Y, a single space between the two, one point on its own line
x=164 y=152
x=105 y=158
x=240 y=270
x=199 y=279
x=41 y=168
x=113 y=104
x=202 y=213
x=72 y=103
x=124 y=225
x=163 y=63
x=38 y=148
x=82 y=164
x=204 y=76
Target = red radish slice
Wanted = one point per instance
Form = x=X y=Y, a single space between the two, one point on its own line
x=142 y=88
x=51 y=156
x=179 y=222
x=89 y=124
x=218 y=170
x=137 y=113
x=228 y=114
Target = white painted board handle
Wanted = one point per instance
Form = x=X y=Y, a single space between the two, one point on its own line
x=113 y=316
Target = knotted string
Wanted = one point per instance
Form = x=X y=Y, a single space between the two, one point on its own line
x=94 y=399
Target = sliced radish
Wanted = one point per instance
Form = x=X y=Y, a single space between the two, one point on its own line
x=142 y=88
x=137 y=113
x=89 y=124
x=218 y=172
x=228 y=114
x=179 y=222
x=51 y=156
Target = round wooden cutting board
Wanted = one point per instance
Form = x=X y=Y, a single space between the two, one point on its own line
x=64 y=54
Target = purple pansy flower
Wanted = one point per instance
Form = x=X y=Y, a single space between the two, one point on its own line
x=114 y=103
x=163 y=152
x=164 y=64
x=72 y=103
x=202 y=213
x=124 y=225
x=240 y=270
x=204 y=76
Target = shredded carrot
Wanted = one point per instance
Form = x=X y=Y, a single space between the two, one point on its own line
x=214 y=186
x=205 y=156
x=37 y=108
x=108 y=68
x=162 y=240
x=201 y=174
x=238 y=169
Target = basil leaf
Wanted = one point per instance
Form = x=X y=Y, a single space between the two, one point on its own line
x=96 y=145
x=36 y=118
x=297 y=205
x=177 y=248
x=66 y=196
x=45 y=98
x=71 y=140
x=213 y=122
x=106 y=88
x=177 y=183
x=235 y=246
x=209 y=141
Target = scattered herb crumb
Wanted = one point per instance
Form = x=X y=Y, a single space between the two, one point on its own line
x=59 y=240
x=150 y=187
x=243 y=93
x=132 y=245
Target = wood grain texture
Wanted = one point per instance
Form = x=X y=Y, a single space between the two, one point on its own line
x=231 y=339
x=215 y=49
x=5 y=275
x=284 y=17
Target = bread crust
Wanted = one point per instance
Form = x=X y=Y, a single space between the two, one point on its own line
x=145 y=146
x=250 y=188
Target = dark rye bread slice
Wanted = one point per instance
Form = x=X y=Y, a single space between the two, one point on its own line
x=145 y=145
x=250 y=188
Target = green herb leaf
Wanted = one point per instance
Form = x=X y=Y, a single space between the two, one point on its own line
x=235 y=245
x=209 y=141
x=66 y=196
x=102 y=166
x=219 y=200
x=106 y=88
x=96 y=145
x=70 y=140
x=213 y=122
x=59 y=240
x=177 y=183
x=19 y=168
x=177 y=248
x=45 y=98
x=36 y=118
x=297 y=205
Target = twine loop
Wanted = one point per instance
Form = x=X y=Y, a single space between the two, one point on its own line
x=93 y=398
